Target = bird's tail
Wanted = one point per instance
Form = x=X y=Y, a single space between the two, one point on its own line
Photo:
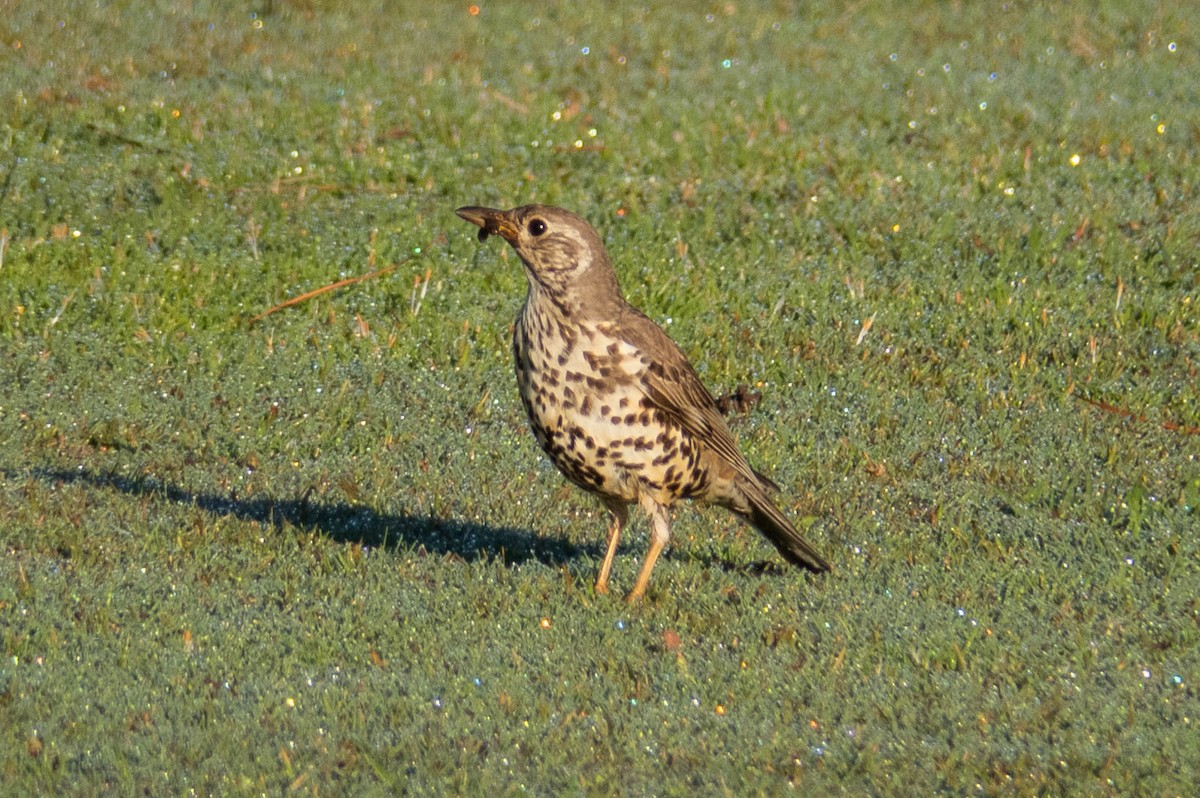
x=770 y=520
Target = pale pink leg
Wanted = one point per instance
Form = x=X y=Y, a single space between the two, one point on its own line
x=660 y=533
x=620 y=513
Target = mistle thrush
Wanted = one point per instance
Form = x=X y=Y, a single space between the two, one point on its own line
x=613 y=401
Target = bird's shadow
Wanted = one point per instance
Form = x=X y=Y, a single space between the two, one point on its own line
x=347 y=523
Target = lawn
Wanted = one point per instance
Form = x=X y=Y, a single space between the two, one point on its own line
x=313 y=549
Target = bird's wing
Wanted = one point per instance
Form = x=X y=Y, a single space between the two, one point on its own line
x=675 y=389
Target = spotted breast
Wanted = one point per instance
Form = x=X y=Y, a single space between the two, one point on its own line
x=582 y=389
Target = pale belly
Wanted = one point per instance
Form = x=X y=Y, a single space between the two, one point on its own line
x=592 y=419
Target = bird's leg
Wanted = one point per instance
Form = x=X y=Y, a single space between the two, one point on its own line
x=620 y=512
x=660 y=533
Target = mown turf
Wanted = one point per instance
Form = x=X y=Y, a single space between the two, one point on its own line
x=954 y=246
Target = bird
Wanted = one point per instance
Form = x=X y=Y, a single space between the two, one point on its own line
x=613 y=401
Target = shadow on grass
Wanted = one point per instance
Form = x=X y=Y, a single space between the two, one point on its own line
x=347 y=523
x=752 y=568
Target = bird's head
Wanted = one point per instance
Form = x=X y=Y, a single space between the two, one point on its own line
x=562 y=254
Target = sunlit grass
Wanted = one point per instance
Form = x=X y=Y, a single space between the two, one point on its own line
x=319 y=551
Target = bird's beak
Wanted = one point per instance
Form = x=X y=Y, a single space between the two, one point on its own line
x=491 y=222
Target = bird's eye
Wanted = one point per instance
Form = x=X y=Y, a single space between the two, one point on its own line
x=537 y=227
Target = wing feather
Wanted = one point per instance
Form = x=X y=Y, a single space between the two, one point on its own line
x=673 y=386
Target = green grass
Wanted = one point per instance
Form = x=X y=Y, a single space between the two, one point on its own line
x=320 y=554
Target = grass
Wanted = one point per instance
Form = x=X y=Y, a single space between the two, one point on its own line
x=320 y=554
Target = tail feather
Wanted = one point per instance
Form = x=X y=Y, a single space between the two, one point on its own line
x=768 y=519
